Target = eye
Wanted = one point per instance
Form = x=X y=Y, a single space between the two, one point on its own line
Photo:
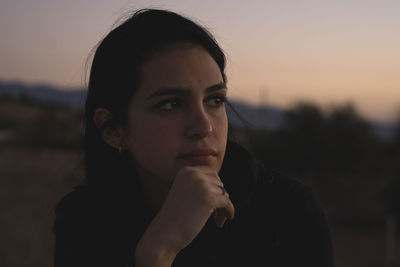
x=216 y=101
x=168 y=104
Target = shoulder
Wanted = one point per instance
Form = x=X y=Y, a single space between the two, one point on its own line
x=296 y=218
x=75 y=209
x=264 y=195
x=86 y=234
x=251 y=183
x=280 y=216
x=287 y=212
x=283 y=190
x=288 y=201
x=80 y=194
x=88 y=211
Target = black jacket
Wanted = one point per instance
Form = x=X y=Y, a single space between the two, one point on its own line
x=277 y=222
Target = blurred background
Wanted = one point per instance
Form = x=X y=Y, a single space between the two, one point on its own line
x=317 y=85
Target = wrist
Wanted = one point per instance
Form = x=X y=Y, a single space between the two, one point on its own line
x=149 y=253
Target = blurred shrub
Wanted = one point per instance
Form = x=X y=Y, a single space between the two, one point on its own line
x=32 y=123
x=336 y=152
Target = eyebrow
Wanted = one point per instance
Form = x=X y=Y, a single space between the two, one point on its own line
x=184 y=91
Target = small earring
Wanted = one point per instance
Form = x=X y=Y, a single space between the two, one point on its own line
x=120 y=148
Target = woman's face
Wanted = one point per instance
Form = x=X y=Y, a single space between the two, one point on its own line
x=177 y=117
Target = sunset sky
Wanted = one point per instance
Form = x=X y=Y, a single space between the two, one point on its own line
x=278 y=51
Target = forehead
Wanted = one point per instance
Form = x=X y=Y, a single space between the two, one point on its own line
x=179 y=66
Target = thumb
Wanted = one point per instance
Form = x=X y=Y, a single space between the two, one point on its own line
x=220 y=217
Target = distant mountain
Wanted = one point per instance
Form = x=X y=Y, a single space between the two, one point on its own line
x=254 y=117
x=73 y=98
x=383 y=130
x=245 y=115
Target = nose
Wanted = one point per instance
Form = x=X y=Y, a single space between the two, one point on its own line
x=199 y=123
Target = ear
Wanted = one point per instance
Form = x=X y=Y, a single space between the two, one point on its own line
x=112 y=135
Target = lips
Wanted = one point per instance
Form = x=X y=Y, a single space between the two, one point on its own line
x=199 y=156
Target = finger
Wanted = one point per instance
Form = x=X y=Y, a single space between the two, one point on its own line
x=218 y=188
x=210 y=173
x=214 y=215
x=202 y=169
x=223 y=203
x=220 y=220
x=230 y=209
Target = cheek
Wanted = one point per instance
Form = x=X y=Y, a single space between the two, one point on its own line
x=221 y=134
x=150 y=139
x=221 y=126
x=152 y=145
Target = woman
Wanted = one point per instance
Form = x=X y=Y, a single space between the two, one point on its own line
x=164 y=186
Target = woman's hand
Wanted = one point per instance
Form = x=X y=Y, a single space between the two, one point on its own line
x=194 y=196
